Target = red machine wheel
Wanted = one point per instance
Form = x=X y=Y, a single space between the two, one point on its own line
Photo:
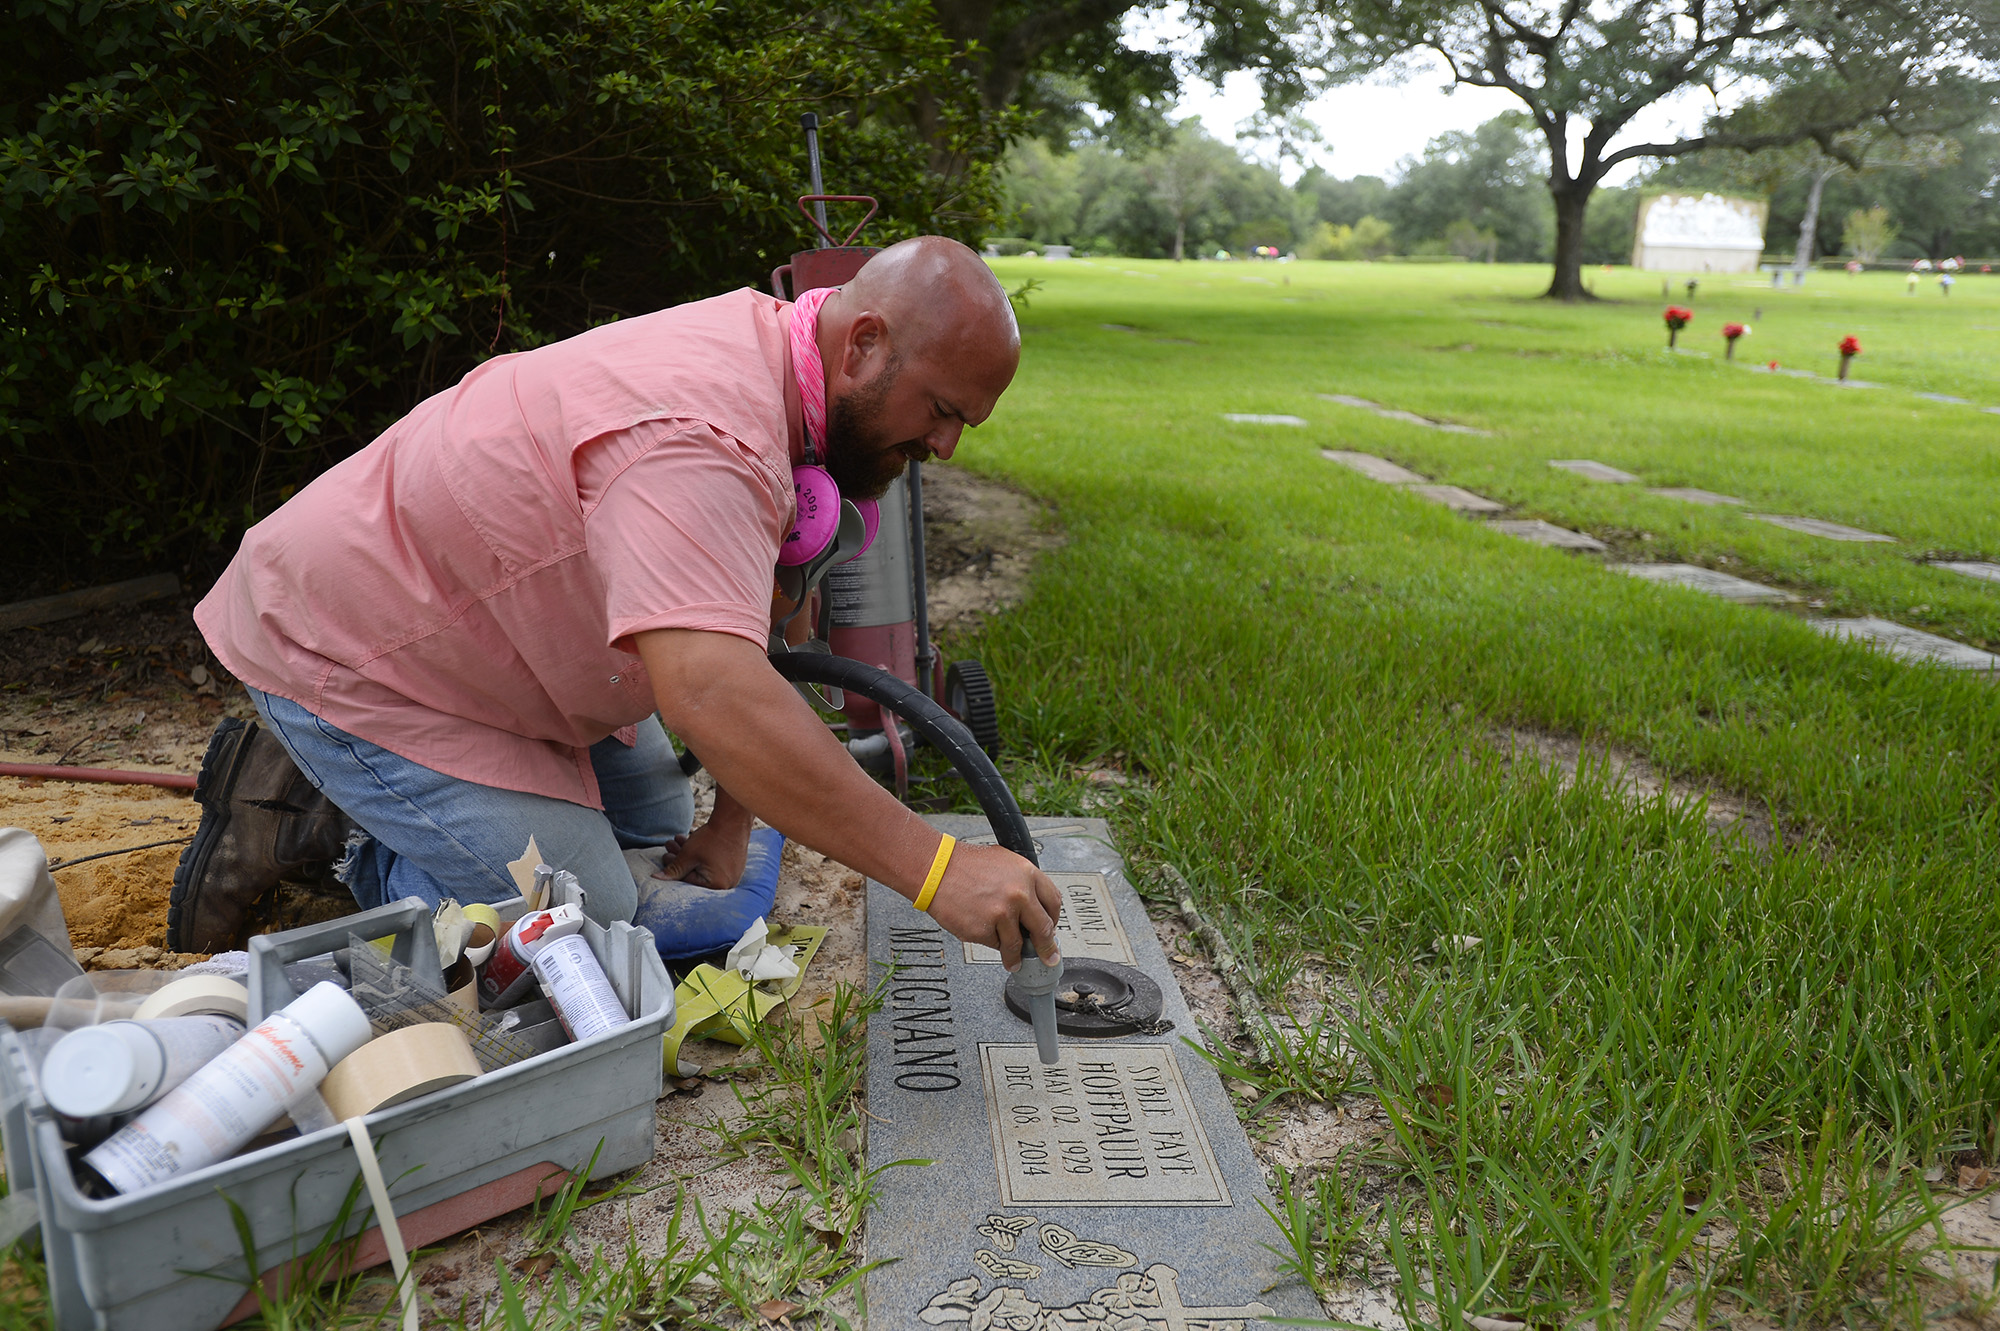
x=968 y=695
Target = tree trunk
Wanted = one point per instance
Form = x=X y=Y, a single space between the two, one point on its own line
x=1809 y=224
x=1572 y=199
x=1180 y=237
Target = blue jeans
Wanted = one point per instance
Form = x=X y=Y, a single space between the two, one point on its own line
x=432 y=836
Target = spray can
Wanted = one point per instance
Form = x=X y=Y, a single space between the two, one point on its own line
x=235 y=1096
x=125 y=1065
x=509 y=971
x=578 y=988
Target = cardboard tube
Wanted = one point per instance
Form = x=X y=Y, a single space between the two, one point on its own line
x=399 y=1066
x=479 y=946
x=197 y=996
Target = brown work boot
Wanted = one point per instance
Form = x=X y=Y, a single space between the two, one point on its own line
x=262 y=823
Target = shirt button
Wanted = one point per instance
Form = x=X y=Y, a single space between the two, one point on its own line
x=614 y=679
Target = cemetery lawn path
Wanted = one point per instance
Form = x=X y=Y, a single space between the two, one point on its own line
x=1303 y=669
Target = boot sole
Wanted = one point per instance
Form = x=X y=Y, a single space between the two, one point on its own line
x=221 y=765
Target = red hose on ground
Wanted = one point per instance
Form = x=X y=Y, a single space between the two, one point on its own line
x=110 y=776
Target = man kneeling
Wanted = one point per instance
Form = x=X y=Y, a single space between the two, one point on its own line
x=460 y=635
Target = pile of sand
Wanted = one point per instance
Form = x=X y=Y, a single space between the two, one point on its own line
x=119 y=902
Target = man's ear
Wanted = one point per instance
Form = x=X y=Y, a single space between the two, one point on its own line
x=867 y=345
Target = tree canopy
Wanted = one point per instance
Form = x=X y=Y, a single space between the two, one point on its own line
x=237 y=237
x=1585 y=72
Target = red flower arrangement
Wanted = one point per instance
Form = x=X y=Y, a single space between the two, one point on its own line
x=1850 y=347
x=1677 y=317
x=1730 y=333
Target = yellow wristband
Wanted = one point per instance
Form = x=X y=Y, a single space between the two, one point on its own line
x=936 y=875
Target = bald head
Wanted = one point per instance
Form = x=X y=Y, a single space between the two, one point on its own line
x=941 y=298
x=919 y=345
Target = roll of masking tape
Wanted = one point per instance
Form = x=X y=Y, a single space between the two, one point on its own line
x=197 y=996
x=399 y=1066
x=477 y=914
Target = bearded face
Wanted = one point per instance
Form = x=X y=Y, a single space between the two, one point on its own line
x=862 y=463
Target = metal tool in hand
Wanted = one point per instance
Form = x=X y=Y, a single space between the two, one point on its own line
x=1039 y=982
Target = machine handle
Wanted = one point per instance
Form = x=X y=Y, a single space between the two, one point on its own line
x=819 y=224
x=779 y=276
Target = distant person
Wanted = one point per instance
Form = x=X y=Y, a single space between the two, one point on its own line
x=1910 y=280
x=1853 y=267
x=1945 y=283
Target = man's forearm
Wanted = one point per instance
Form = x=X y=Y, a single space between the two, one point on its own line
x=777 y=759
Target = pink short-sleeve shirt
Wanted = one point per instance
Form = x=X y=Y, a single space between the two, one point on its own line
x=464 y=591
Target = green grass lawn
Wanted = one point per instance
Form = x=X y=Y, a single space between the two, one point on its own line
x=1307 y=668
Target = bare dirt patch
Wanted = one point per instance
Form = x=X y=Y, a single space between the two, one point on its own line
x=1635 y=778
x=980 y=541
x=131 y=688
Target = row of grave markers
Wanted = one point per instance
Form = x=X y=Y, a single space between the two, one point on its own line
x=1896 y=639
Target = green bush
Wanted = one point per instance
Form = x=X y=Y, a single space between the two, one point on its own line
x=237 y=237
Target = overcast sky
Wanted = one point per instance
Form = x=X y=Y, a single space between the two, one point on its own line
x=1369 y=127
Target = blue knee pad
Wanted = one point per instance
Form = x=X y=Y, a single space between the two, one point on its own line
x=689 y=921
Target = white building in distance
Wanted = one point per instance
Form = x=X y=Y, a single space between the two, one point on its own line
x=1707 y=233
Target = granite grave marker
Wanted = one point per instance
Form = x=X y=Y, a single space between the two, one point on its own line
x=1908 y=644
x=1458 y=499
x=1594 y=471
x=1689 y=494
x=1832 y=531
x=1374 y=468
x=1694 y=577
x=1263 y=418
x=1113 y=1190
x=1547 y=533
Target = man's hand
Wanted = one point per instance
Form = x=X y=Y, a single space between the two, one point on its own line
x=990 y=895
x=768 y=749
x=714 y=854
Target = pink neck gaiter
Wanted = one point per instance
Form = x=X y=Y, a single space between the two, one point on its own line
x=808 y=369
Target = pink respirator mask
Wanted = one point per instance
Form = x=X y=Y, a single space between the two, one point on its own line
x=827 y=529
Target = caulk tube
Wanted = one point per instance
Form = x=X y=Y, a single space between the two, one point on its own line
x=578 y=988
x=217 y=1111
x=125 y=1065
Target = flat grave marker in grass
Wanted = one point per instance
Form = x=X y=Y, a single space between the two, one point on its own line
x=1689 y=494
x=1458 y=500
x=1908 y=644
x=1374 y=468
x=1694 y=577
x=1832 y=531
x=1391 y=413
x=1595 y=471
x=1114 y=1188
x=1973 y=569
x=1547 y=533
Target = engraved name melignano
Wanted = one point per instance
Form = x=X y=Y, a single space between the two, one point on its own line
x=919 y=1007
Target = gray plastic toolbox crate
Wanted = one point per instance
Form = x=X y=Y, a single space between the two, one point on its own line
x=168 y=1258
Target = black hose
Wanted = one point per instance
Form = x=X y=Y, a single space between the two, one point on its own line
x=943 y=731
